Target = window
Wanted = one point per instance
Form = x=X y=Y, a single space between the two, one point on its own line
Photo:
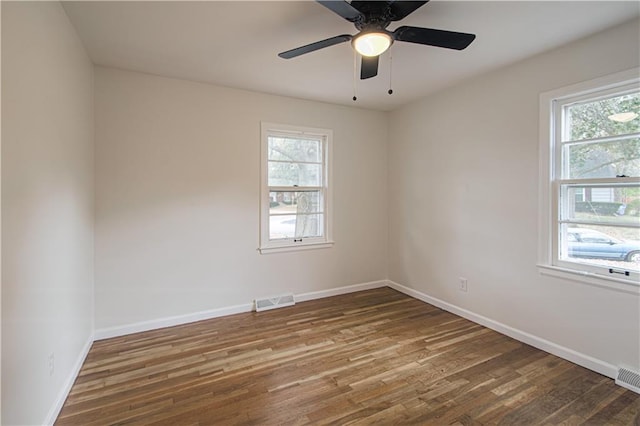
x=590 y=163
x=295 y=191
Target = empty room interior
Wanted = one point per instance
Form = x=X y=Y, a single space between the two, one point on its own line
x=320 y=212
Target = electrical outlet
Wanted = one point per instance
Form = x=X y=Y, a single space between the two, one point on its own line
x=51 y=359
x=463 y=284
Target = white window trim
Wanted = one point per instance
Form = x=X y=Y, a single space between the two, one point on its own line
x=546 y=198
x=326 y=241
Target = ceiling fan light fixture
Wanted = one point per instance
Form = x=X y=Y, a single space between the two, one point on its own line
x=372 y=43
x=623 y=117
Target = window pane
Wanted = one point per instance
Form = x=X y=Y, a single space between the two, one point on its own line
x=604 y=204
x=297 y=150
x=290 y=174
x=602 y=160
x=589 y=120
x=286 y=202
x=295 y=226
x=608 y=246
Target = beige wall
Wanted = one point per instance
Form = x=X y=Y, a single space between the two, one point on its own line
x=47 y=207
x=463 y=186
x=177 y=211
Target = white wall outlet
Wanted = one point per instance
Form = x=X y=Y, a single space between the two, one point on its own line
x=51 y=359
x=463 y=284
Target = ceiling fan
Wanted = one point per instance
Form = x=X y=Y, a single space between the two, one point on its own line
x=371 y=18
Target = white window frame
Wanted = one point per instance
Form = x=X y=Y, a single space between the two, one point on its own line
x=549 y=213
x=293 y=244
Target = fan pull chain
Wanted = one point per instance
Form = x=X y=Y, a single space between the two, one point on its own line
x=355 y=74
x=390 y=74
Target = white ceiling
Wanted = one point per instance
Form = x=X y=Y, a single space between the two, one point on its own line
x=235 y=43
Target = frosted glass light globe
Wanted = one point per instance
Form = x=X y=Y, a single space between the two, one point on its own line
x=372 y=44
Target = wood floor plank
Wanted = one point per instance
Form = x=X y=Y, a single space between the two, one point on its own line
x=373 y=357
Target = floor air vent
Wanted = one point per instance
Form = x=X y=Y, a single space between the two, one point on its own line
x=267 y=303
x=628 y=379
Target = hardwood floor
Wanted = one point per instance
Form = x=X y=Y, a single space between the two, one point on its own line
x=376 y=356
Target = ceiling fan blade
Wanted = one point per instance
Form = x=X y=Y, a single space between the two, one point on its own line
x=433 y=37
x=315 y=46
x=342 y=8
x=369 y=67
x=402 y=9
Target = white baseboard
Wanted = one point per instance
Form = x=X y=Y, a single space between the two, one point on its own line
x=107 y=333
x=303 y=297
x=581 y=359
x=68 y=383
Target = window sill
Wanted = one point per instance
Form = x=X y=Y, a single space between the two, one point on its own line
x=591 y=278
x=296 y=247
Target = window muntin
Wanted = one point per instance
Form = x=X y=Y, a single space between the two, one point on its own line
x=295 y=188
x=596 y=182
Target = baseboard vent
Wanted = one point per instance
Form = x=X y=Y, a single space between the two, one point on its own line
x=281 y=301
x=628 y=379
